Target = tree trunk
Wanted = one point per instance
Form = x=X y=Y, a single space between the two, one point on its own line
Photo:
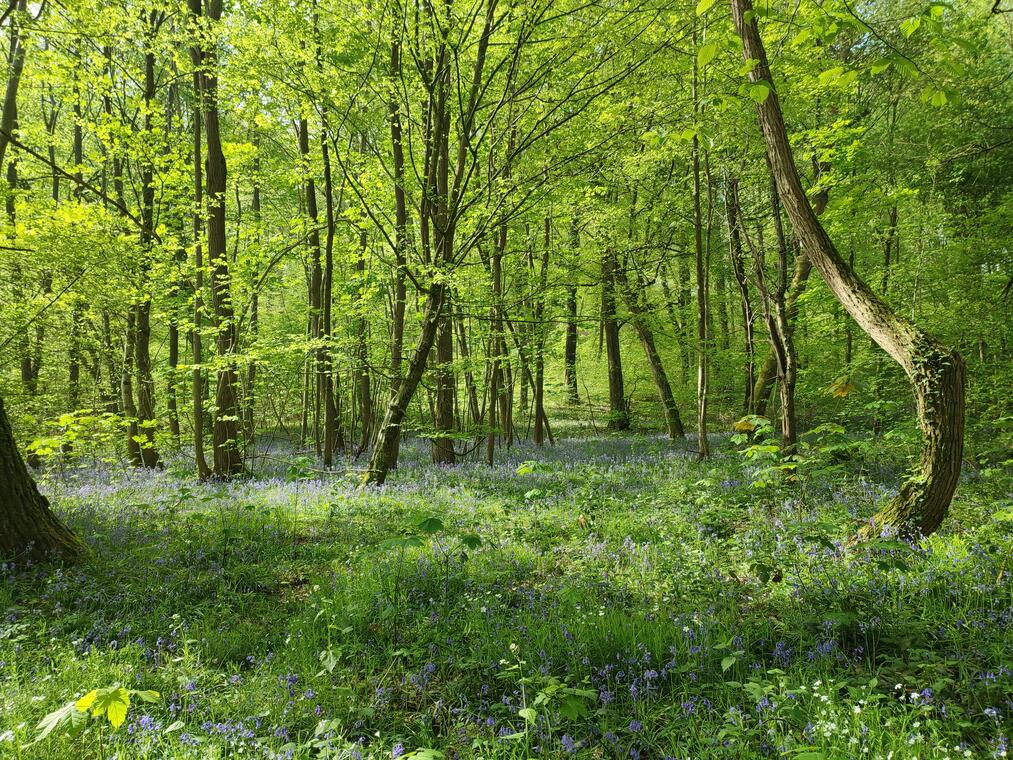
x=673 y=421
x=250 y=387
x=225 y=432
x=29 y=531
x=443 y=443
x=203 y=471
x=570 y=347
x=389 y=432
x=127 y=391
x=16 y=60
x=619 y=417
x=540 y=331
x=937 y=374
x=400 y=230
x=701 y=285
x=739 y=271
x=768 y=371
x=362 y=380
x=778 y=327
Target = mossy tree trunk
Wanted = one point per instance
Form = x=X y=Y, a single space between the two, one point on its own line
x=28 y=528
x=937 y=374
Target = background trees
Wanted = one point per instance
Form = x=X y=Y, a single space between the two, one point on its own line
x=477 y=223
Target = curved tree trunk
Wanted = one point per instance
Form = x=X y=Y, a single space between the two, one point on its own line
x=936 y=372
x=28 y=529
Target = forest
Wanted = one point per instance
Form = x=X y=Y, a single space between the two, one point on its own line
x=451 y=379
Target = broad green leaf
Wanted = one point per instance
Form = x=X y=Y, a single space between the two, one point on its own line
x=706 y=54
x=573 y=708
x=728 y=661
x=528 y=714
x=703 y=6
x=879 y=66
x=829 y=75
x=759 y=91
x=431 y=525
x=56 y=718
x=87 y=700
x=471 y=540
x=116 y=712
x=910 y=26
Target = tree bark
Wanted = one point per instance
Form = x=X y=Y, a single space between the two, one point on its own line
x=400 y=230
x=225 y=431
x=127 y=390
x=142 y=309
x=16 y=53
x=203 y=470
x=389 y=432
x=937 y=373
x=443 y=443
x=540 y=332
x=639 y=312
x=739 y=271
x=619 y=417
x=29 y=531
x=570 y=347
x=702 y=293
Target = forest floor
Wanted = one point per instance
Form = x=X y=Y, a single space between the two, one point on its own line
x=601 y=598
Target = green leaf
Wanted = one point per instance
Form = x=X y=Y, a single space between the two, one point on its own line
x=119 y=703
x=528 y=714
x=759 y=91
x=148 y=696
x=728 y=661
x=573 y=708
x=703 y=6
x=431 y=525
x=910 y=26
x=706 y=54
x=830 y=75
x=87 y=700
x=56 y=718
x=471 y=540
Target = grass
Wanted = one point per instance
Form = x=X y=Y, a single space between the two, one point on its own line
x=614 y=599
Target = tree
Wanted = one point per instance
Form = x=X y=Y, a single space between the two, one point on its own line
x=227 y=456
x=936 y=372
x=28 y=528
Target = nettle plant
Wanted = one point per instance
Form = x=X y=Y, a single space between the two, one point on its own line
x=111 y=704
